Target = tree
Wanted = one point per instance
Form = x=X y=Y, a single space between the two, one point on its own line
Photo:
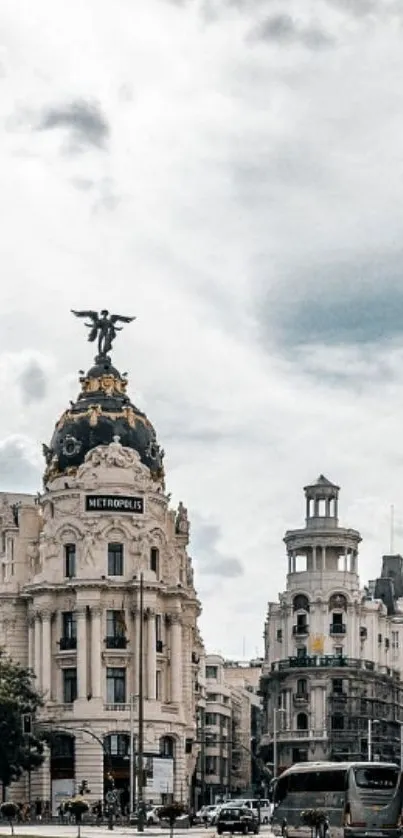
x=20 y=749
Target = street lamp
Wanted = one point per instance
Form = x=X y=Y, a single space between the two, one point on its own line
x=275 y=759
x=369 y=737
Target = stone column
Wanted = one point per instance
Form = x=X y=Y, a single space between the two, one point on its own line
x=151 y=657
x=289 y=563
x=324 y=557
x=31 y=641
x=82 y=652
x=46 y=653
x=176 y=658
x=96 y=688
x=38 y=650
x=314 y=557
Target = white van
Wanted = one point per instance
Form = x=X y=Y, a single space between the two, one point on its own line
x=253 y=803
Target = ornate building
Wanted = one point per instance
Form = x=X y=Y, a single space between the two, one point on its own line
x=333 y=651
x=71 y=560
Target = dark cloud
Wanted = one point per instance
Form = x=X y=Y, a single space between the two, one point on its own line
x=283 y=29
x=209 y=560
x=358 y=302
x=84 y=119
x=33 y=382
x=358 y=8
x=17 y=471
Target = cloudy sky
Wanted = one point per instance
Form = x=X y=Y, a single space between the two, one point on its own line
x=230 y=172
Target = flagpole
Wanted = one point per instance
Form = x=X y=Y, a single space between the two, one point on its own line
x=140 y=772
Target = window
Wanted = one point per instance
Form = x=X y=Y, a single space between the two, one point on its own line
x=338 y=651
x=337 y=722
x=68 y=639
x=315 y=782
x=69 y=685
x=69 y=623
x=337 y=686
x=376 y=778
x=154 y=559
x=395 y=639
x=302 y=721
x=300 y=603
x=158 y=633
x=302 y=686
x=116 y=685
x=211 y=765
x=158 y=694
x=279 y=635
x=117 y=744
x=115 y=630
x=301 y=652
x=167 y=746
x=115 y=559
x=69 y=560
x=212 y=672
x=212 y=697
x=210 y=719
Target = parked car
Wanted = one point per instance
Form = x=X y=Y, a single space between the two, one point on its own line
x=152 y=816
x=202 y=816
x=237 y=819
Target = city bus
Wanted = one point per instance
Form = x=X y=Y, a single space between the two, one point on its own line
x=357 y=799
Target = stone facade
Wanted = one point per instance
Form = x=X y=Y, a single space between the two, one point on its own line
x=230 y=700
x=71 y=560
x=333 y=651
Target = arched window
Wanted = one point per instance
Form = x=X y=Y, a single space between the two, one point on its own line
x=302 y=721
x=117 y=744
x=154 y=560
x=302 y=686
x=337 y=602
x=69 y=551
x=167 y=746
x=300 y=603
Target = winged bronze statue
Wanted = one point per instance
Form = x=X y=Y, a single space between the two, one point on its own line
x=103 y=326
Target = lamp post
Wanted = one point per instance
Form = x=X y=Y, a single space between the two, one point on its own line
x=132 y=756
x=369 y=737
x=276 y=710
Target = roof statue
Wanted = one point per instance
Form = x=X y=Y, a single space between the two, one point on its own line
x=103 y=327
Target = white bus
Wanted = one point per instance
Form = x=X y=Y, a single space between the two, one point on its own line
x=357 y=799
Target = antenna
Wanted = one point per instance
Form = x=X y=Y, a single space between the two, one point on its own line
x=392 y=529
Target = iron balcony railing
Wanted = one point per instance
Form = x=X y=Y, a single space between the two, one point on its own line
x=337 y=628
x=331 y=662
x=116 y=642
x=302 y=628
x=67 y=643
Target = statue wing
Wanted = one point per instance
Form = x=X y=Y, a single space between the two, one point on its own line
x=92 y=314
x=117 y=318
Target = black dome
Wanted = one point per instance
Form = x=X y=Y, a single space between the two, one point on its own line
x=101 y=412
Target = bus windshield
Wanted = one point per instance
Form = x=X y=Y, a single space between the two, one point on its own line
x=376 y=778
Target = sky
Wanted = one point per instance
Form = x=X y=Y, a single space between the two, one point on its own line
x=231 y=173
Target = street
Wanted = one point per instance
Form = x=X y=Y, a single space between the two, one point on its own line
x=57 y=830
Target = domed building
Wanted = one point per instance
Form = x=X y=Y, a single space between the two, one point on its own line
x=97 y=596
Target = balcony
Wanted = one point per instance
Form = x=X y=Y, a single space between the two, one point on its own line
x=338 y=698
x=300 y=629
x=294 y=736
x=330 y=662
x=337 y=628
x=300 y=699
x=116 y=642
x=67 y=644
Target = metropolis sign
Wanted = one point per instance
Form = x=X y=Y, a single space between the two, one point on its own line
x=114 y=503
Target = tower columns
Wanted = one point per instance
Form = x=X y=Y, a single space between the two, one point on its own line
x=46 y=653
x=151 y=657
x=96 y=652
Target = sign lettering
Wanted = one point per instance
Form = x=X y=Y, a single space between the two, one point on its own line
x=114 y=503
